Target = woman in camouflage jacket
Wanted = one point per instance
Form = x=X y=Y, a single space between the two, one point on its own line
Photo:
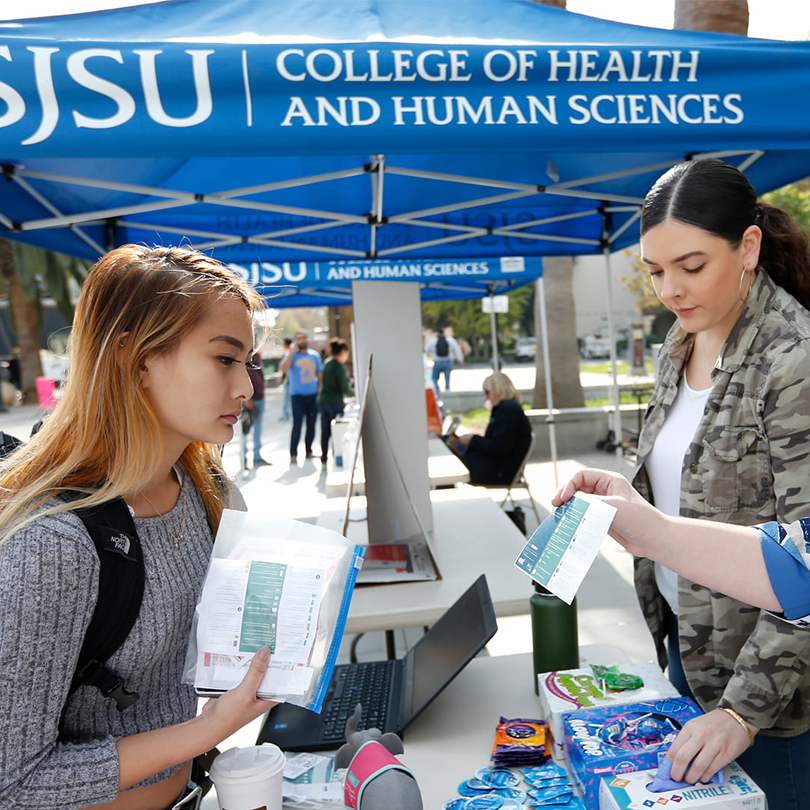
x=726 y=438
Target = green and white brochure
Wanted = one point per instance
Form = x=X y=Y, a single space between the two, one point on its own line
x=565 y=544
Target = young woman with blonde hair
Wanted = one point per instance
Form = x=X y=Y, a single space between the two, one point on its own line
x=159 y=355
x=494 y=458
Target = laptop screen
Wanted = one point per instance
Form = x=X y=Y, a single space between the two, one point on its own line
x=447 y=648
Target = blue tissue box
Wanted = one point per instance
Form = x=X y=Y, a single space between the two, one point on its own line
x=611 y=740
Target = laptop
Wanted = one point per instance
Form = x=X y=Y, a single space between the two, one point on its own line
x=393 y=693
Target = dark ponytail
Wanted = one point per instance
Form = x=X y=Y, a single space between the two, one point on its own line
x=337 y=345
x=716 y=197
x=785 y=252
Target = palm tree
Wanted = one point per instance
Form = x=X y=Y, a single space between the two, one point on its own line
x=28 y=274
x=722 y=16
x=558 y=280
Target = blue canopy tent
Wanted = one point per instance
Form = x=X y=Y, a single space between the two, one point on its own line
x=271 y=131
x=276 y=131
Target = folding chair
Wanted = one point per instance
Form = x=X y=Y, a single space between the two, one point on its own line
x=518 y=482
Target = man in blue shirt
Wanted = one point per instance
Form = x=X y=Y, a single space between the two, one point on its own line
x=302 y=366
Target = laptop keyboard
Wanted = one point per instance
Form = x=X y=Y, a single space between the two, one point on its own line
x=366 y=683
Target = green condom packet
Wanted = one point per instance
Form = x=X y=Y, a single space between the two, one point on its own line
x=614 y=680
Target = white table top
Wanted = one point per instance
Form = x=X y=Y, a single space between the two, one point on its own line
x=472 y=535
x=444 y=469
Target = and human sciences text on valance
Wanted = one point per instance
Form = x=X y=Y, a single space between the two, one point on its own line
x=180 y=98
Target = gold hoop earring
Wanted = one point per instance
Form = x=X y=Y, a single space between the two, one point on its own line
x=742 y=277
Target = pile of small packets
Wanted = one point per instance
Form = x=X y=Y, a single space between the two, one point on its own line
x=495 y=788
x=520 y=742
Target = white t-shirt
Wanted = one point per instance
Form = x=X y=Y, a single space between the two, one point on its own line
x=665 y=464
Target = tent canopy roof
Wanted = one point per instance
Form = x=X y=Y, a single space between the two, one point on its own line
x=272 y=131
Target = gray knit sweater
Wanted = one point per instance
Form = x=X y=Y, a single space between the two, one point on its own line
x=61 y=757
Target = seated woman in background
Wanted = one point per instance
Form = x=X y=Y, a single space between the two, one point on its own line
x=495 y=458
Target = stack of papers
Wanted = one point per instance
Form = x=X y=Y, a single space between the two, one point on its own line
x=281 y=584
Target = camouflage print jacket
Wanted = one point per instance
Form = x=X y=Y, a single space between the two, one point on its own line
x=748 y=463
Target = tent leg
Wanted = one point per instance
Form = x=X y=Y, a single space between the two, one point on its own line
x=616 y=416
x=552 y=430
x=496 y=365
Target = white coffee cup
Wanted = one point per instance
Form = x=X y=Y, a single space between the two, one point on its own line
x=249 y=778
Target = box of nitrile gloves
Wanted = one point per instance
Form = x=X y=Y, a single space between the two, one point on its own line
x=573 y=690
x=629 y=791
x=613 y=740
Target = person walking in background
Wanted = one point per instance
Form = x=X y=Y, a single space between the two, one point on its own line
x=725 y=438
x=444 y=351
x=256 y=407
x=335 y=387
x=303 y=367
x=286 y=407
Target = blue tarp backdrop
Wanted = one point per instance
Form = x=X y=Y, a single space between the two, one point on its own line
x=378 y=130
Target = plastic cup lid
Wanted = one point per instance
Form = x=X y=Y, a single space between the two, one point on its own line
x=245 y=763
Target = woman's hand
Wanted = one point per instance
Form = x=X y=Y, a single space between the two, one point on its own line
x=465 y=439
x=145 y=754
x=237 y=707
x=637 y=524
x=709 y=742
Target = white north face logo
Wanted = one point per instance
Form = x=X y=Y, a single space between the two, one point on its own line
x=121 y=543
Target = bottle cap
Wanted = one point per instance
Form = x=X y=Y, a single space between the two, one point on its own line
x=542 y=589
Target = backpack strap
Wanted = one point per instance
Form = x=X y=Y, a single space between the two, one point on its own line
x=120 y=592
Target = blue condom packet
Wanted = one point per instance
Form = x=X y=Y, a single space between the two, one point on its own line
x=512 y=793
x=557 y=803
x=557 y=781
x=455 y=804
x=473 y=787
x=492 y=801
x=540 y=772
x=573 y=803
x=511 y=804
x=497 y=777
x=546 y=795
x=485 y=801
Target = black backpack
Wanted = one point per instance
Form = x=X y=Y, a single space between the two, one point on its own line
x=8 y=444
x=121 y=580
x=442 y=347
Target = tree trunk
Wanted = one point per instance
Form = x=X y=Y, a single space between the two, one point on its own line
x=25 y=314
x=722 y=16
x=558 y=282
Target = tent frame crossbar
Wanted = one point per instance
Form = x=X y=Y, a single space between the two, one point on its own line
x=377 y=168
x=49 y=206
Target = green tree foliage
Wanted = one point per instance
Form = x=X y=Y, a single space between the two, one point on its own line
x=468 y=321
x=795 y=199
x=45 y=274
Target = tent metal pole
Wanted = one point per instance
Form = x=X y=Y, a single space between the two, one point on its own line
x=547 y=220
x=96 y=216
x=493 y=323
x=619 y=231
x=444 y=209
x=430 y=243
x=48 y=206
x=552 y=429
x=616 y=416
x=544 y=236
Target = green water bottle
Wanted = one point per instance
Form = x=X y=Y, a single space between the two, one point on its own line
x=555 y=641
